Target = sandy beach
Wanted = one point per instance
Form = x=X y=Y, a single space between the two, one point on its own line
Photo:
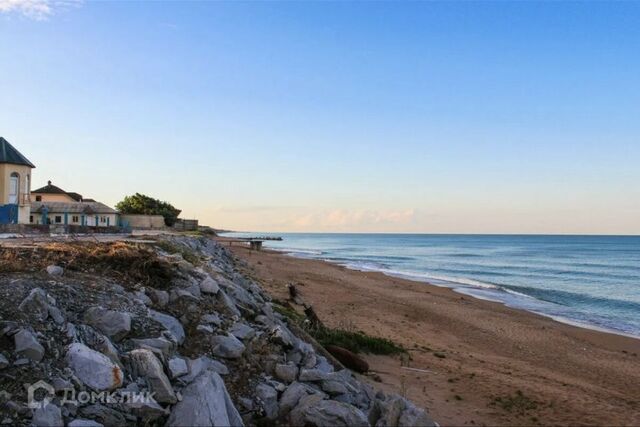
x=472 y=362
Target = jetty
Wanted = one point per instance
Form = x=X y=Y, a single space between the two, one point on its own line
x=255 y=243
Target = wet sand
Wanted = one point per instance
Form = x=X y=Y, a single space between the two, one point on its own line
x=486 y=364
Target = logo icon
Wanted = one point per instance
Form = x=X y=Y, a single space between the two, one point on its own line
x=32 y=399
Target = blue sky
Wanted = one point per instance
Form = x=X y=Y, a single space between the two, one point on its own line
x=461 y=117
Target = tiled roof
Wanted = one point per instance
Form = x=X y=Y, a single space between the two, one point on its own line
x=9 y=154
x=73 y=208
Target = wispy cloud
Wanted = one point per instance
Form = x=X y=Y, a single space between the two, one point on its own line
x=39 y=10
x=339 y=219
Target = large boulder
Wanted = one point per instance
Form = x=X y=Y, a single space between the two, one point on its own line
x=35 y=304
x=228 y=347
x=209 y=286
x=47 y=416
x=292 y=396
x=28 y=346
x=205 y=402
x=55 y=271
x=286 y=372
x=172 y=324
x=94 y=369
x=113 y=324
x=242 y=331
x=145 y=364
x=313 y=411
x=268 y=398
x=202 y=364
x=178 y=367
x=348 y=359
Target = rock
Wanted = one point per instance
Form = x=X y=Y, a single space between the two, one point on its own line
x=81 y=422
x=163 y=345
x=47 y=416
x=176 y=294
x=178 y=367
x=281 y=335
x=228 y=304
x=103 y=414
x=228 y=347
x=28 y=346
x=242 y=331
x=209 y=286
x=36 y=304
x=143 y=298
x=60 y=384
x=211 y=319
x=202 y=364
x=333 y=388
x=311 y=375
x=311 y=411
x=268 y=397
x=287 y=373
x=204 y=329
x=113 y=324
x=92 y=368
x=205 y=402
x=145 y=364
x=398 y=411
x=147 y=410
x=414 y=416
x=3 y=361
x=292 y=395
x=348 y=359
x=55 y=271
x=159 y=298
x=171 y=323
x=56 y=315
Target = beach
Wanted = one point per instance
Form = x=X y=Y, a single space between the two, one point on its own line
x=471 y=361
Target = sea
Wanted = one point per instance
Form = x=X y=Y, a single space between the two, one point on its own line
x=588 y=281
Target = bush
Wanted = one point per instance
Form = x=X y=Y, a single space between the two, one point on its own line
x=139 y=204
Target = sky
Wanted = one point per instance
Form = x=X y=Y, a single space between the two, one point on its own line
x=425 y=117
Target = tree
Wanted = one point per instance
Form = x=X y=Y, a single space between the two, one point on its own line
x=144 y=205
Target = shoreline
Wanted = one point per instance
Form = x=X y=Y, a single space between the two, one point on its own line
x=460 y=289
x=567 y=374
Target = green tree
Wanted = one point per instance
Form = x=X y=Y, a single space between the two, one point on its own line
x=144 y=205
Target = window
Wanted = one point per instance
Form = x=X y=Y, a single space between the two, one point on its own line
x=75 y=218
x=58 y=219
x=38 y=198
x=30 y=219
x=103 y=219
x=14 y=188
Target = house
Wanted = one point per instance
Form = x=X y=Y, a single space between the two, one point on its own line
x=92 y=214
x=53 y=205
x=51 y=193
x=15 y=185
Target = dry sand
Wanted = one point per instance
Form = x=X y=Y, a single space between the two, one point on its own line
x=487 y=364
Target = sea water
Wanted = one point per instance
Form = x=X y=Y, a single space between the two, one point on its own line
x=591 y=281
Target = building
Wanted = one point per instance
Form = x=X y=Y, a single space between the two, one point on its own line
x=53 y=205
x=91 y=214
x=51 y=193
x=15 y=185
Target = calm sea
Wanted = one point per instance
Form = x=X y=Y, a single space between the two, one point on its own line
x=592 y=281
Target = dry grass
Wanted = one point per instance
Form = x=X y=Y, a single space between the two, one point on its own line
x=127 y=262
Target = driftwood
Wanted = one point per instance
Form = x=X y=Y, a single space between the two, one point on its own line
x=313 y=318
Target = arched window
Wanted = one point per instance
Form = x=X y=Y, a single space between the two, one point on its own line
x=14 y=188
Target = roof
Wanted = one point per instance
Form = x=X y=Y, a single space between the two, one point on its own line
x=52 y=189
x=9 y=154
x=72 y=208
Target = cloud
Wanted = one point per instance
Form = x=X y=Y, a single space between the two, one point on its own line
x=344 y=219
x=39 y=10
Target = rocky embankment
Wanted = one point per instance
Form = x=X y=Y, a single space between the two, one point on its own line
x=191 y=342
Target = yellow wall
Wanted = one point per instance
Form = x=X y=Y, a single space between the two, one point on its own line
x=53 y=198
x=25 y=182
